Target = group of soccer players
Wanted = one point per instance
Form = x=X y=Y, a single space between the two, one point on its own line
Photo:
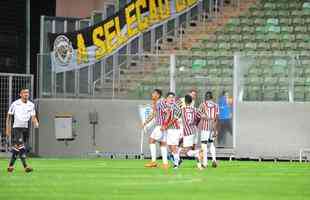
x=177 y=124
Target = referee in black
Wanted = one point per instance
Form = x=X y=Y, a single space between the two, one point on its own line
x=21 y=110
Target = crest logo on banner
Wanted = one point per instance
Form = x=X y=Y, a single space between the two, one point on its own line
x=63 y=51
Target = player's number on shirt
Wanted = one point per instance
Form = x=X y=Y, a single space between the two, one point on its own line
x=189 y=117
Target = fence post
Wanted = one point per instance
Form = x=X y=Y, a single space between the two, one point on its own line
x=172 y=72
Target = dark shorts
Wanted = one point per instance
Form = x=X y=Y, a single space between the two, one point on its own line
x=20 y=136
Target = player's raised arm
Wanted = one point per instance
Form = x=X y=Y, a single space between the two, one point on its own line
x=148 y=119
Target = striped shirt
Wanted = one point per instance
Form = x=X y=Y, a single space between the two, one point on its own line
x=210 y=109
x=159 y=110
x=190 y=117
x=172 y=115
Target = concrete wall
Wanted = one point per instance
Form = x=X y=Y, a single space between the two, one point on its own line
x=272 y=129
x=263 y=129
x=117 y=131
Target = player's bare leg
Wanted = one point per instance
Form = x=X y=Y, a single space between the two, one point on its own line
x=164 y=154
x=152 y=144
x=213 y=154
x=198 y=154
x=204 y=148
x=22 y=156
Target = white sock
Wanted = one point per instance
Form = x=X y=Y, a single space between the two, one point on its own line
x=176 y=157
x=204 y=148
x=193 y=153
x=153 y=152
x=212 y=151
x=164 y=154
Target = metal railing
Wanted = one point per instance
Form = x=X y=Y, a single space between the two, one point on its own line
x=10 y=85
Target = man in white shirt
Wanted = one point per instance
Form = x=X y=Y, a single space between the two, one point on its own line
x=22 y=110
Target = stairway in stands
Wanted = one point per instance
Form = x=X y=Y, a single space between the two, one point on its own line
x=262 y=27
x=268 y=27
x=145 y=73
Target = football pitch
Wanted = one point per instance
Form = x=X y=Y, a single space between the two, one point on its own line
x=95 y=179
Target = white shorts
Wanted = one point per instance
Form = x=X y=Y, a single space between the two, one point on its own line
x=158 y=135
x=188 y=141
x=206 y=136
x=173 y=136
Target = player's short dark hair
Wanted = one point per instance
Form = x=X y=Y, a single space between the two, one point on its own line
x=158 y=91
x=170 y=94
x=22 y=89
x=208 y=95
x=188 y=99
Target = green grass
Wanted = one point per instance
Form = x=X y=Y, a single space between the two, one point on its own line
x=57 y=179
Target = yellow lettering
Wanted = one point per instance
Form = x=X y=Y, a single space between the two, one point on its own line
x=191 y=2
x=142 y=23
x=82 y=55
x=120 y=38
x=99 y=43
x=130 y=20
x=166 y=7
x=109 y=35
x=180 y=5
x=153 y=12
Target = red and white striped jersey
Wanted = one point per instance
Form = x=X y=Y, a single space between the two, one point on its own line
x=171 y=116
x=159 y=110
x=190 y=117
x=211 y=110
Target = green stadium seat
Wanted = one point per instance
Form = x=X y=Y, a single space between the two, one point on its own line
x=234 y=22
x=236 y=38
x=300 y=29
x=289 y=46
x=246 y=22
x=299 y=93
x=261 y=30
x=269 y=93
x=285 y=21
x=298 y=21
x=248 y=38
x=199 y=64
x=213 y=81
x=287 y=29
x=248 y=29
x=303 y=37
x=272 y=22
x=282 y=94
x=287 y=37
x=304 y=46
x=259 y=22
x=223 y=38
x=283 y=13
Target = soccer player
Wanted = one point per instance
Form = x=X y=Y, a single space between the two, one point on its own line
x=23 y=110
x=193 y=93
x=171 y=125
x=190 y=119
x=208 y=128
x=157 y=135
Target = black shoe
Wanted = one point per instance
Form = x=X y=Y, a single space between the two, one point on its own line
x=10 y=169
x=214 y=164
x=180 y=161
x=28 y=169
